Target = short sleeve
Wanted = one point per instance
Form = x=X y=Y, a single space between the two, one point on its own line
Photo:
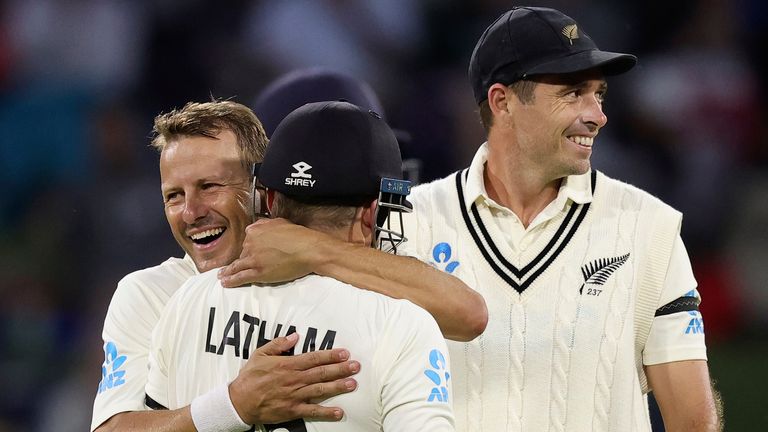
x=677 y=331
x=127 y=331
x=416 y=376
x=159 y=353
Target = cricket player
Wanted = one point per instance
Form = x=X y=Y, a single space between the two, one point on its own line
x=333 y=167
x=591 y=297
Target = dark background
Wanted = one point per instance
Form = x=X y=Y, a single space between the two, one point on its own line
x=81 y=80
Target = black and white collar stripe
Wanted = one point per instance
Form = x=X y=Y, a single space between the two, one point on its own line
x=519 y=279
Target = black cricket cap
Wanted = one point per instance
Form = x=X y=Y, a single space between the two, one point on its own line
x=303 y=86
x=529 y=41
x=331 y=152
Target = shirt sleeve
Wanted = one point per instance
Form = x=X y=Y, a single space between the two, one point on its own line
x=677 y=330
x=131 y=316
x=416 y=376
x=159 y=353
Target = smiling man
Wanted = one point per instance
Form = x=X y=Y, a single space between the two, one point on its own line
x=590 y=293
x=207 y=151
x=207 y=213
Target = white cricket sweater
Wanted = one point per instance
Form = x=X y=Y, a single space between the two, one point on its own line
x=559 y=349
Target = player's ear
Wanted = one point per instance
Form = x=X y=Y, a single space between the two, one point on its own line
x=368 y=215
x=270 y=200
x=368 y=221
x=498 y=95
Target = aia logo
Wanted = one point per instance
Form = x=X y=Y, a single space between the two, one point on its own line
x=696 y=324
x=438 y=373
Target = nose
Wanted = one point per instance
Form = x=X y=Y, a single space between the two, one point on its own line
x=194 y=209
x=593 y=116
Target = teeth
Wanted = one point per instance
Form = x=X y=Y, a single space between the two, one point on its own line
x=583 y=140
x=207 y=233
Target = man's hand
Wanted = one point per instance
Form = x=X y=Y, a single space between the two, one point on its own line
x=273 y=251
x=271 y=388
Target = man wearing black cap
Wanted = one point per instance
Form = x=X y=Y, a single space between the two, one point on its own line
x=589 y=287
x=590 y=292
x=333 y=167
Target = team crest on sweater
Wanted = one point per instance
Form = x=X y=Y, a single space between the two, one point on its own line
x=598 y=271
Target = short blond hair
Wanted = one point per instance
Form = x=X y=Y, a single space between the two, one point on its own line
x=210 y=118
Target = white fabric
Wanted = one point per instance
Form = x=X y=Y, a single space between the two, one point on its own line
x=214 y=412
x=560 y=355
x=132 y=314
x=206 y=331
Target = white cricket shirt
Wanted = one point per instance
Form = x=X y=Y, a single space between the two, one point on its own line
x=558 y=353
x=133 y=312
x=206 y=334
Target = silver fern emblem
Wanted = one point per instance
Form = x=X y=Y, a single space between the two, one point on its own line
x=571 y=32
x=597 y=272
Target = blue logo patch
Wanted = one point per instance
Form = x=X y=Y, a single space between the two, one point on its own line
x=441 y=253
x=111 y=375
x=439 y=375
x=696 y=324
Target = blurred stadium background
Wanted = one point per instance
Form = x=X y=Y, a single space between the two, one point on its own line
x=81 y=80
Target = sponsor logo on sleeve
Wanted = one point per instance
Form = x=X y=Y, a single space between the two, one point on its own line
x=112 y=374
x=696 y=324
x=438 y=374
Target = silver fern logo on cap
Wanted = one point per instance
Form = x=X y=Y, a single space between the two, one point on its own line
x=571 y=32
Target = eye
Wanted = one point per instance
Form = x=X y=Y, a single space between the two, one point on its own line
x=209 y=185
x=572 y=93
x=600 y=96
x=171 y=196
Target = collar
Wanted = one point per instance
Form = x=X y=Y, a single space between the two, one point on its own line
x=576 y=188
x=191 y=263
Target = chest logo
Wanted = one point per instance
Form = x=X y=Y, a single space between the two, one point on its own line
x=598 y=271
x=441 y=254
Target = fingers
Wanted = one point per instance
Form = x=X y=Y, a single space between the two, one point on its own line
x=321 y=391
x=329 y=373
x=237 y=274
x=319 y=412
x=310 y=360
x=277 y=346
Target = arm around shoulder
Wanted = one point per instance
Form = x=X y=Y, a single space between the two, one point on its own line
x=460 y=311
x=276 y=250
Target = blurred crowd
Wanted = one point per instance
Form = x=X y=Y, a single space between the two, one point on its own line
x=81 y=80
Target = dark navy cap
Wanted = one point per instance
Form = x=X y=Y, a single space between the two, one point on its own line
x=332 y=151
x=529 y=41
x=303 y=86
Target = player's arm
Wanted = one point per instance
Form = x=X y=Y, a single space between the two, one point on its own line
x=277 y=250
x=179 y=420
x=685 y=396
x=269 y=389
x=675 y=352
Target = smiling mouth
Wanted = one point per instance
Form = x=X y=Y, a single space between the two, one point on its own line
x=205 y=237
x=583 y=141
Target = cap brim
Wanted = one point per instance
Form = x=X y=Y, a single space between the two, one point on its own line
x=610 y=63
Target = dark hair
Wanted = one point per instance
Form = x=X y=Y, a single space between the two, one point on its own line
x=523 y=89
x=313 y=214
